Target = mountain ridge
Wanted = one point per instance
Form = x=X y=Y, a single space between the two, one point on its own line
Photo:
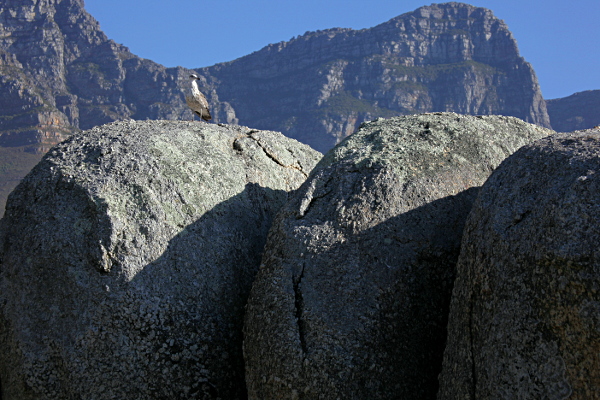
x=575 y=112
x=432 y=56
x=85 y=79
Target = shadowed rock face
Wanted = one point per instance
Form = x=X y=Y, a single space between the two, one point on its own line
x=524 y=316
x=576 y=112
x=352 y=295
x=128 y=254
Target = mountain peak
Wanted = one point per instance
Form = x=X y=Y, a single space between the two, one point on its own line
x=320 y=86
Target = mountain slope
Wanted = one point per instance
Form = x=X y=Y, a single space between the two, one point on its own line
x=445 y=57
x=62 y=74
x=578 y=111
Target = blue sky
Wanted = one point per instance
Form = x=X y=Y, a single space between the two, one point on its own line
x=561 y=39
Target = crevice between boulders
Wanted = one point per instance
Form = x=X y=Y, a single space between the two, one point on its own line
x=299 y=306
x=472 y=345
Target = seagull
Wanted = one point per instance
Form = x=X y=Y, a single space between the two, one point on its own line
x=196 y=101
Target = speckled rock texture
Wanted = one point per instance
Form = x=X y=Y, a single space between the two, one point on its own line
x=525 y=312
x=127 y=257
x=352 y=296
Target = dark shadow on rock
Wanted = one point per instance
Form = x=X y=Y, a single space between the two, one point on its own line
x=173 y=331
x=371 y=310
x=409 y=330
x=524 y=318
x=197 y=291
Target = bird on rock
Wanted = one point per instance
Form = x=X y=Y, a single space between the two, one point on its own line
x=196 y=100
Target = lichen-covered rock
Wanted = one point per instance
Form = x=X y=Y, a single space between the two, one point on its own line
x=128 y=255
x=525 y=313
x=351 y=299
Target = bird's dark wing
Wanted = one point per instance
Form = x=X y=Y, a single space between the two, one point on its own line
x=199 y=105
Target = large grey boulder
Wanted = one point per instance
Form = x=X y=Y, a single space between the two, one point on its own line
x=128 y=255
x=525 y=313
x=352 y=295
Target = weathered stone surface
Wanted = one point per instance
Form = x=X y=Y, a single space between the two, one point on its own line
x=352 y=295
x=578 y=111
x=524 y=320
x=128 y=254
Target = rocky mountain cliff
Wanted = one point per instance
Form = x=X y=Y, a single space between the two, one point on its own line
x=445 y=57
x=60 y=74
x=578 y=111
